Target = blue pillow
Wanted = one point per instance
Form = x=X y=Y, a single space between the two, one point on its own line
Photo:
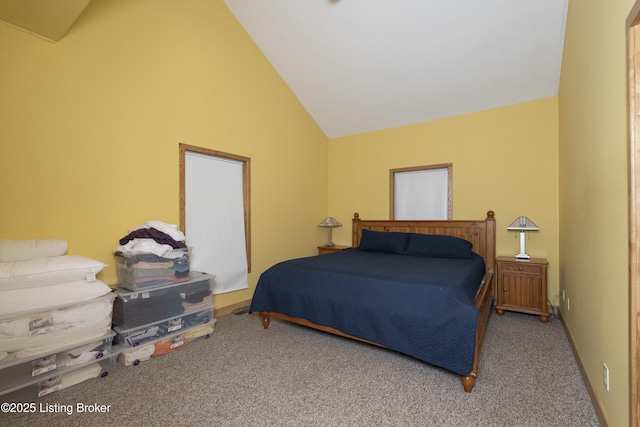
x=382 y=241
x=439 y=246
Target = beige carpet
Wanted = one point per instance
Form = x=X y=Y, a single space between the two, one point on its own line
x=294 y=376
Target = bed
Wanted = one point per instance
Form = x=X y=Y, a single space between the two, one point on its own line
x=422 y=288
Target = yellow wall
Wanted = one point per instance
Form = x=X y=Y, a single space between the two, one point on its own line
x=504 y=159
x=593 y=196
x=90 y=127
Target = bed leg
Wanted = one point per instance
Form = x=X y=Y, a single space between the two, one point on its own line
x=266 y=319
x=468 y=382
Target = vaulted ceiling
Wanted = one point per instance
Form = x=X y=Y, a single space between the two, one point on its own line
x=365 y=65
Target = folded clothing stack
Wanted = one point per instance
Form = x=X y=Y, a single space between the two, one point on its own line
x=153 y=254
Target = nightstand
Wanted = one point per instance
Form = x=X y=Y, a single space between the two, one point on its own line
x=328 y=249
x=522 y=286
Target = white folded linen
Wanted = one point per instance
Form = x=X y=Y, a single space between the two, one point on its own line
x=199 y=331
x=140 y=354
x=85 y=315
x=21 y=347
x=82 y=374
x=22 y=250
x=48 y=271
x=82 y=316
x=84 y=354
x=26 y=299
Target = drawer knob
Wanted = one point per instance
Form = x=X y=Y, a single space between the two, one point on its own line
x=520 y=268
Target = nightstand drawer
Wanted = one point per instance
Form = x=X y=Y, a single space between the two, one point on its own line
x=521 y=268
x=322 y=250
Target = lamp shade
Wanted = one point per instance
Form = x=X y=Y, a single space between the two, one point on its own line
x=523 y=223
x=330 y=222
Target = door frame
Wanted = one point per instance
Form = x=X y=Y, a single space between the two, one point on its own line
x=633 y=107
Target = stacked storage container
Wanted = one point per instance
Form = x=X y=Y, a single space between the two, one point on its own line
x=160 y=304
x=55 y=319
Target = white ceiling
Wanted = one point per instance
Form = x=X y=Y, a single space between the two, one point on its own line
x=365 y=65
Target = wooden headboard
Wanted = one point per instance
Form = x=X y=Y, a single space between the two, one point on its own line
x=482 y=233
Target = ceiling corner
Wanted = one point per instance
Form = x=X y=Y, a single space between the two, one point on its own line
x=45 y=18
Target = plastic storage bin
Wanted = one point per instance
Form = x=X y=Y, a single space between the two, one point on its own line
x=44 y=331
x=41 y=387
x=133 y=356
x=147 y=270
x=167 y=327
x=137 y=308
x=22 y=371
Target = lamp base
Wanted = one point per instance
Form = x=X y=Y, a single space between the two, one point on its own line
x=329 y=244
x=522 y=254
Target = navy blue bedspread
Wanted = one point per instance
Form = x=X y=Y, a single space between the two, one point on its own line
x=420 y=306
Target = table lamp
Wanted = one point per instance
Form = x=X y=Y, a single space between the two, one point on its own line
x=522 y=224
x=329 y=223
